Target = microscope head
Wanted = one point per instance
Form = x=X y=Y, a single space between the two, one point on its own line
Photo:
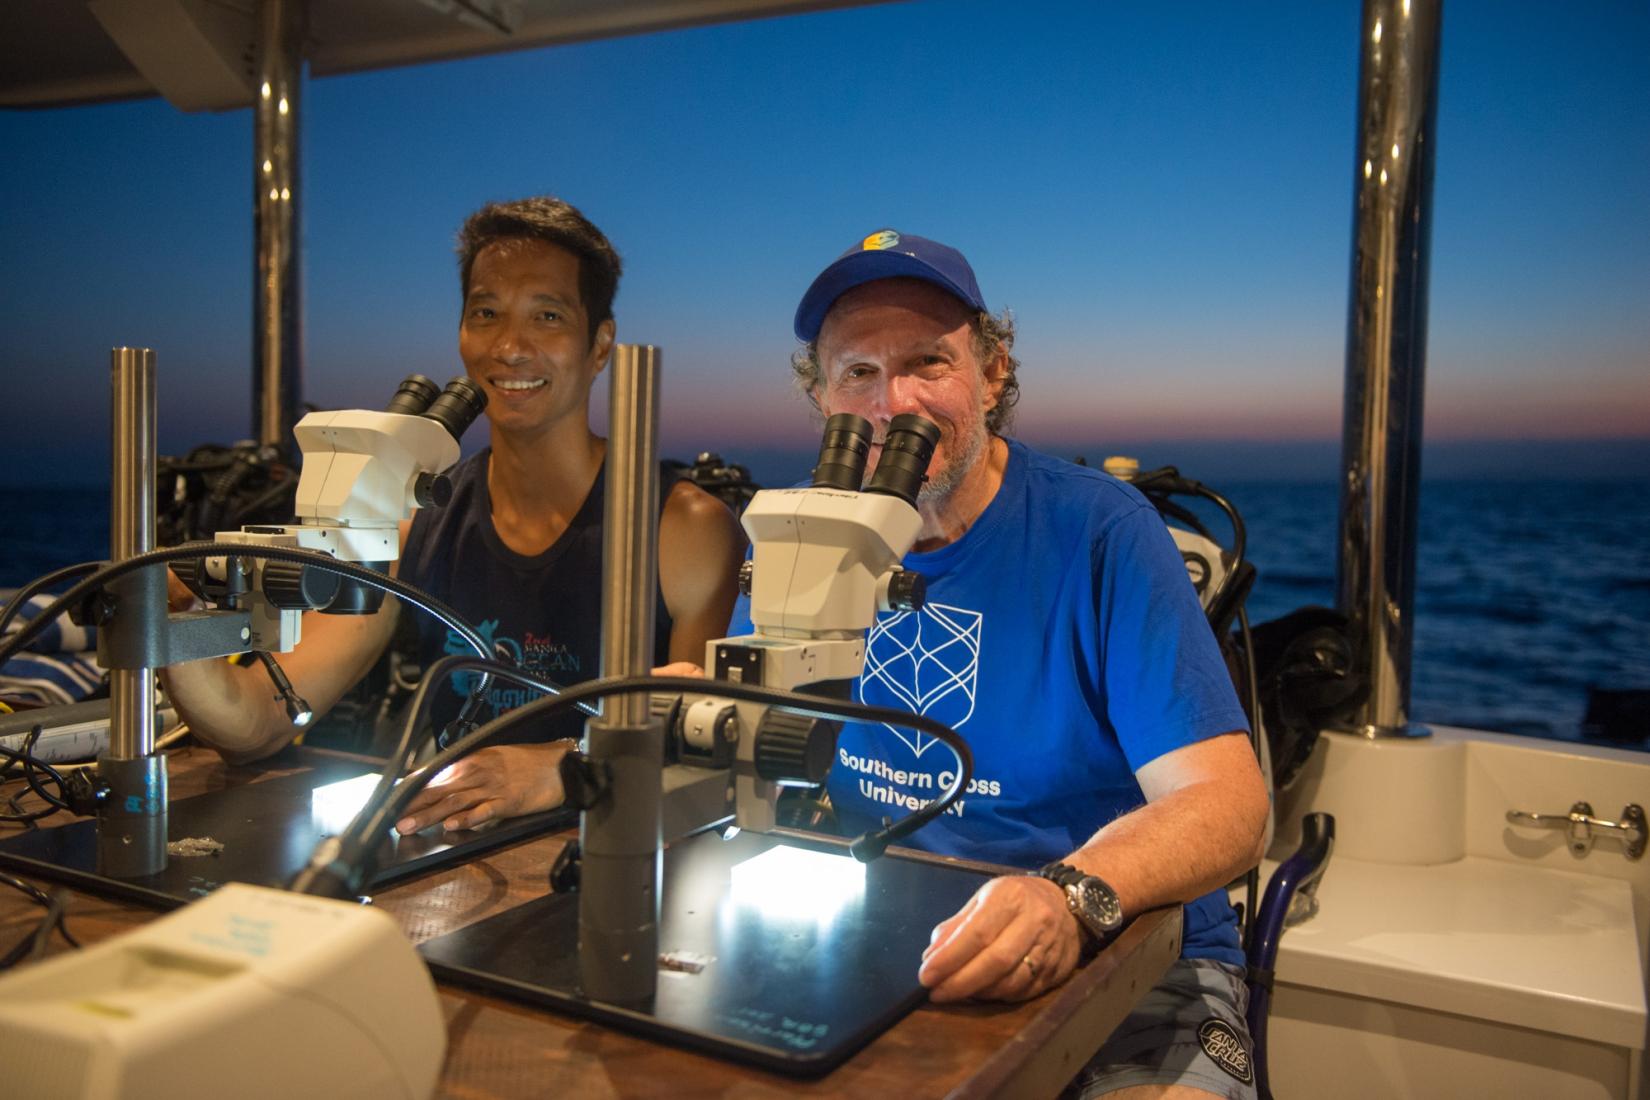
x=825 y=559
x=364 y=471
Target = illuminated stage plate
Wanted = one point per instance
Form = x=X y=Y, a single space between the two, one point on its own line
x=788 y=984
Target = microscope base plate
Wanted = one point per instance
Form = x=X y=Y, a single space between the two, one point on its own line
x=794 y=993
x=267 y=831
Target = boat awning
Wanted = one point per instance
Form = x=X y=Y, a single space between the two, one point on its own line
x=198 y=54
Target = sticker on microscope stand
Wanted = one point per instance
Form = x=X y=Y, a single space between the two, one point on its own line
x=194 y=846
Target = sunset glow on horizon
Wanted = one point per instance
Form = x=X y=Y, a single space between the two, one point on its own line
x=1163 y=198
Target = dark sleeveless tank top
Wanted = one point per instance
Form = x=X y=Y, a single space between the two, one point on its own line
x=544 y=610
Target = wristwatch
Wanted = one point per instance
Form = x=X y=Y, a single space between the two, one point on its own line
x=1099 y=914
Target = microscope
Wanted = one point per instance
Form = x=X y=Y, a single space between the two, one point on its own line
x=825 y=560
x=335 y=979
x=363 y=473
x=785 y=950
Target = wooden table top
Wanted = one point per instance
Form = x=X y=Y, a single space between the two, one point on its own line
x=497 y=1048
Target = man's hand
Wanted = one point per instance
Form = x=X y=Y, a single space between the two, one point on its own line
x=1014 y=939
x=497 y=782
x=502 y=781
x=178 y=595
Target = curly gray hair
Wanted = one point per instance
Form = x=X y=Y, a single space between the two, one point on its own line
x=993 y=335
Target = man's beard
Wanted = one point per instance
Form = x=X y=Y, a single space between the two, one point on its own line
x=960 y=459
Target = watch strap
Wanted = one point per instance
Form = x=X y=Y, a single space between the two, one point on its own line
x=1061 y=874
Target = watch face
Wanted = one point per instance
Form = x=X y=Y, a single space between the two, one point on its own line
x=1096 y=905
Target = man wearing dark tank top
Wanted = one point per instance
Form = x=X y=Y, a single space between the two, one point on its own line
x=518 y=549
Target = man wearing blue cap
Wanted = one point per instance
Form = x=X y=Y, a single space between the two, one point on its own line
x=1062 y=638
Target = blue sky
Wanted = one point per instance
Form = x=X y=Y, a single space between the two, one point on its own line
x=1161 y=194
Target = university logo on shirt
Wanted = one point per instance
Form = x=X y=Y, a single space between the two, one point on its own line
x=925 y=661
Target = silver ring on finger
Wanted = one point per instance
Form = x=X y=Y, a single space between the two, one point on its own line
x=1030 y=966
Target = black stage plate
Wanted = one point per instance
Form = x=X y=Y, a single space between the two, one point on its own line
x=794 y=994
x=268 y=831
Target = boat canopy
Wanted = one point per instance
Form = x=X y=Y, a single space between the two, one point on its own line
x=199 y=54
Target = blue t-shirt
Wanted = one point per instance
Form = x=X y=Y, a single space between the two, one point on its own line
x=1062 y=639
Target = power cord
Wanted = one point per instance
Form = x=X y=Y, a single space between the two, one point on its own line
x=22 y=596
x=35 y=942
x=32 y=767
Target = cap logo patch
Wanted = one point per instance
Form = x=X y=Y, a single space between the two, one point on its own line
x=1226 y=1050
x=879 y=241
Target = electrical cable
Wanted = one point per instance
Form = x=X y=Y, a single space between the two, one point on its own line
x=39 y=897
x=23 y=886
x=22 y=596
x=313 y=558
x=342 y=863
x=34 y=943
x=30 y=762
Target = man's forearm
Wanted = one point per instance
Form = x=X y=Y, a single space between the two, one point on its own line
x=237 y=709
x=1193 y=836
x=233 y=709
x=1170 y=851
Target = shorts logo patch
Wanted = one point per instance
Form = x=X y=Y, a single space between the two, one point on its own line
x=1226 y=1050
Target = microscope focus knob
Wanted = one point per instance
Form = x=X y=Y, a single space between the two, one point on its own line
x=432 y=490
x=906 y=590
x=794 y=750
x=746 y=572
x=292 y=586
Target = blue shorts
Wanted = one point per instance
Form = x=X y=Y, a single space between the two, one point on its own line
x=1187 y=1031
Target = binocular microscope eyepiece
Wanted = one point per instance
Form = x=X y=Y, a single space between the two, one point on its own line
x=906 y=448
x=454 y=408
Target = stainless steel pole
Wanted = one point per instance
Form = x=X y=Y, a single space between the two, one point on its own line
x=619 y=837
x=132 y=817
x=1386 y=350
x=630 y=560
x=277 y=307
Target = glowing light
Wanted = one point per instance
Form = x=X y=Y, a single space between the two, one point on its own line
x=1406 y=9
x=1383 y=176
x=264 y=91
x=798 y=885
x=274 y=194
x=333 y=806
x=1369 y=169
x=286 y=194
x=1395 y=150
x=281 y=106
x=268 y=167
x=1377 y=35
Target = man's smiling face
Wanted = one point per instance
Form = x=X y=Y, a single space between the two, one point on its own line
x=525 y=335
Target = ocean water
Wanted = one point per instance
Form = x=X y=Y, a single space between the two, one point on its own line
x=1529 y=593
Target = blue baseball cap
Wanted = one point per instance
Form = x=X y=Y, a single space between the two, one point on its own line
x=886 y=254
